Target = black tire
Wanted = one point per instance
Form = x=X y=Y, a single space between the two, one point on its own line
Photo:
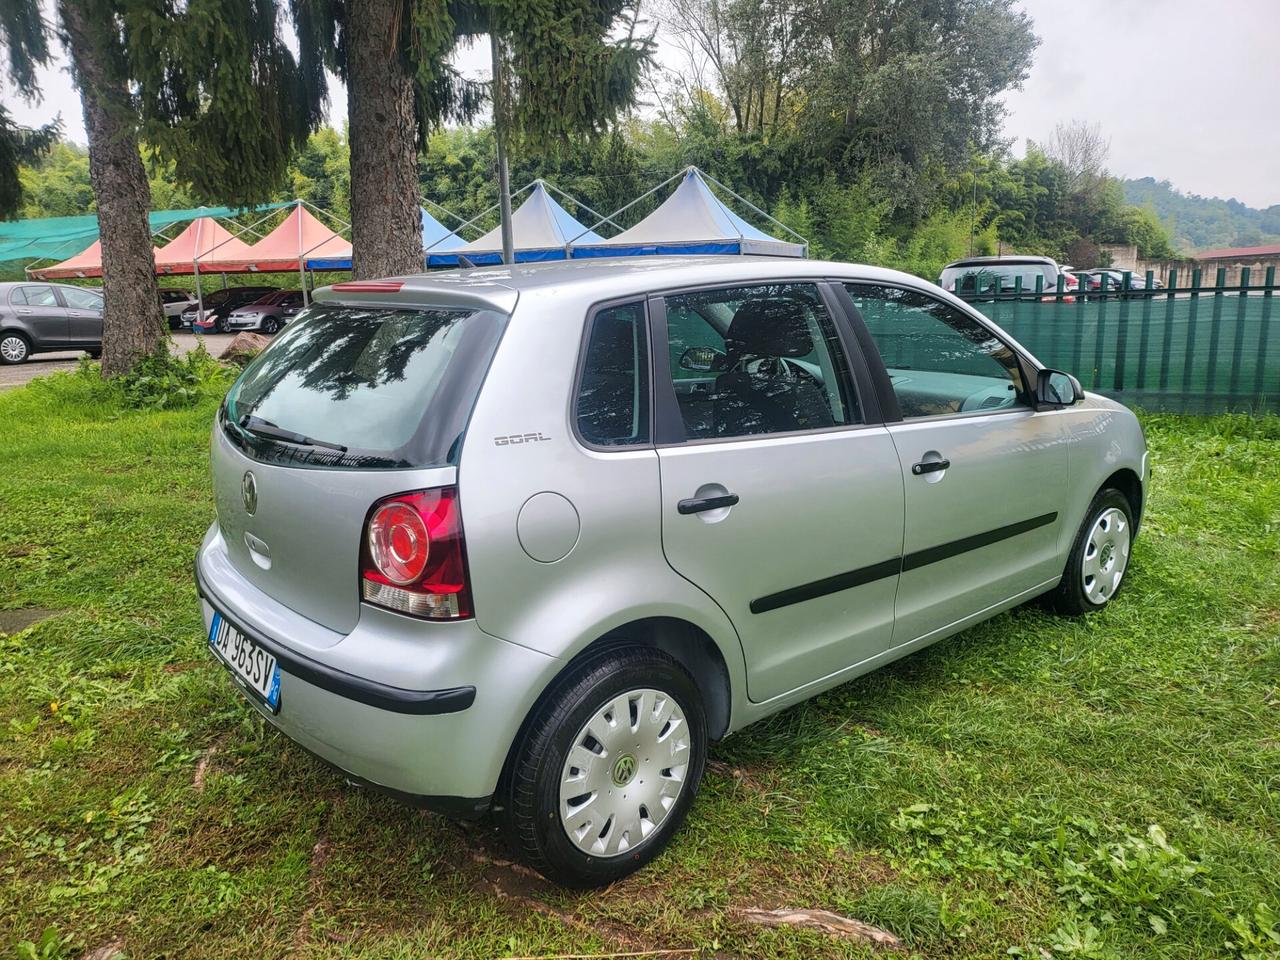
x=95 y=354
x=528 y=797
x=1069 y=597
x=22 y=340
x=270 y=325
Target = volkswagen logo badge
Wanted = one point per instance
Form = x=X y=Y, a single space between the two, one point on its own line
x=249 y=492
x=624 y=770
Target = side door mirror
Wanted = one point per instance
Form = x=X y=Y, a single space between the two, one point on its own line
x=702 y=359
x=1057 y=389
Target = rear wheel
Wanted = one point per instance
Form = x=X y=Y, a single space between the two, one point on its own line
x=14 y=348
x=1099 y=557
x=607 y=769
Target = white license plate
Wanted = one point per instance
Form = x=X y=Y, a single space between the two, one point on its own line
x=255 y=669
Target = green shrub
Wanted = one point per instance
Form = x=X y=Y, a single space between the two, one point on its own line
x=162 y=381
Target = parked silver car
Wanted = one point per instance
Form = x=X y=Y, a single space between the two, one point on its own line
x=529 y=540
x=48 y=317
x=267 y=314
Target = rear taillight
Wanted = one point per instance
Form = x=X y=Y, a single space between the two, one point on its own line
x=414 y=559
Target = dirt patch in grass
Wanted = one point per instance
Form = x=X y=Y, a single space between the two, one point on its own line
x=15 y=621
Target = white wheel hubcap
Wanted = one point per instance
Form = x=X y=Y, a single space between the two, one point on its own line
x=13 y=349
x=1106 y=555
x=624 y=773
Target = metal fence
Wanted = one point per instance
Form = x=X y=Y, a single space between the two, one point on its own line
x=1191 y=349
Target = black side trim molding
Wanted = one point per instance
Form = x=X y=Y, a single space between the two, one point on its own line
x=944 y=551
x=891 y=568
x=370 y=692
x=820 y=588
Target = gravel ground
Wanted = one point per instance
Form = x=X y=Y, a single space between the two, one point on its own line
x=43 y=364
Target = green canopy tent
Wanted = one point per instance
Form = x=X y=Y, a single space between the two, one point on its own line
x=56 y=238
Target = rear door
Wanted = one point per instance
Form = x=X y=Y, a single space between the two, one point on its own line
x=781 y=495
x=45 y=316
x=985 y=474
x=84 y=316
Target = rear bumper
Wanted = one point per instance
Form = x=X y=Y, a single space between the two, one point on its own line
x=359 y=703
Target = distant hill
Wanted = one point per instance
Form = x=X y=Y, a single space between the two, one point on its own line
x=1201 y=223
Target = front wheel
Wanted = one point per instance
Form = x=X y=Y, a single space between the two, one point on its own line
x=270 y=325
x=607 y=768
x=1099 y=557
x=14 y=348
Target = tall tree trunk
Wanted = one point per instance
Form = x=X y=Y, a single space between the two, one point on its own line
x=386 y=227
x=133 y=322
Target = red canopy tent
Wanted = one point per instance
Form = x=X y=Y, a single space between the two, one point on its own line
x=86 y=263
x=299 y=236
x=202 y=238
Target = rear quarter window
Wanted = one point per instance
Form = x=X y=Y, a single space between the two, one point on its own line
x=392 y=386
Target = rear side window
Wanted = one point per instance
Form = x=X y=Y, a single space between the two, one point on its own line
x=78 y=299
x=373 y=387
x=613 y=392
x=35 y=296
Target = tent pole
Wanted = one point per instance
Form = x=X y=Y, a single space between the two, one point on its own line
x=302 y=263
x=195 y=270
x=626 y=207
x=751 y=206
x=577 y=202
x=500 y=140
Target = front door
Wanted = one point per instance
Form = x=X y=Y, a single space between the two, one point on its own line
x=84 y=316
x=985 y=474
x=777 y=499
x=38 y=305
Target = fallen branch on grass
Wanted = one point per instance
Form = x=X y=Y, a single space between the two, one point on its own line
x=824 y=920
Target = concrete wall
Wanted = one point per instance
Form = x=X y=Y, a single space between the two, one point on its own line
x=1209 y=270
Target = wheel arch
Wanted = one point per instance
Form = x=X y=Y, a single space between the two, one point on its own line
x=685 y=642
x=1127 y=482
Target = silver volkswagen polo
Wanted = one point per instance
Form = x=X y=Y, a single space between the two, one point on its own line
x=527 y=540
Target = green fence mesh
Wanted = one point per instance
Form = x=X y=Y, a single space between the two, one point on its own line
x=1205 y=353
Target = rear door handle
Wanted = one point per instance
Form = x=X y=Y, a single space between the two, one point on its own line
x=929 y=466
x=700 y=504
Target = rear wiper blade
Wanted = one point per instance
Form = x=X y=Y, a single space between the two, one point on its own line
x=265 y=428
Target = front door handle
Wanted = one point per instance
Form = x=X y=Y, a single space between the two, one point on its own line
x=700 y=504
x=929 y=466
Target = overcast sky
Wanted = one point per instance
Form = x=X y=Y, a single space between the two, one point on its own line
x=1185 y=90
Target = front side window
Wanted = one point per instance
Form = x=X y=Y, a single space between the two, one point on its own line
x=78 y=299
x=757 y=360
x=613 y=392
x=940 y=361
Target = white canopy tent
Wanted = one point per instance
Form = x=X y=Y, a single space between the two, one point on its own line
x=541 y=228
x=692 y=220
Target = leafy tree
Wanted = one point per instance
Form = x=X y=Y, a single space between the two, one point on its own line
x=560 y=74
x=216 y=92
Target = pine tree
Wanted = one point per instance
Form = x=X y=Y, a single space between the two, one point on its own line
x=208 y=83
x=561 y=74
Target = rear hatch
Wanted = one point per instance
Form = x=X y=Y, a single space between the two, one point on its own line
x=352 y=403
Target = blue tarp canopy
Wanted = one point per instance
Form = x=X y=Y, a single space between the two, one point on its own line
x=435 y=237
x=691 y=220
x=541 y=230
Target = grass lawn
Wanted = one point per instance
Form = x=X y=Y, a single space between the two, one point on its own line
x=1104 y=788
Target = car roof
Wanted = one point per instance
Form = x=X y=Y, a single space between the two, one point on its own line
x=991 y=261
x=599 y=278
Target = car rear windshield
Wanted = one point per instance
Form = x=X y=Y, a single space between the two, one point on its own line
x=364 y=387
